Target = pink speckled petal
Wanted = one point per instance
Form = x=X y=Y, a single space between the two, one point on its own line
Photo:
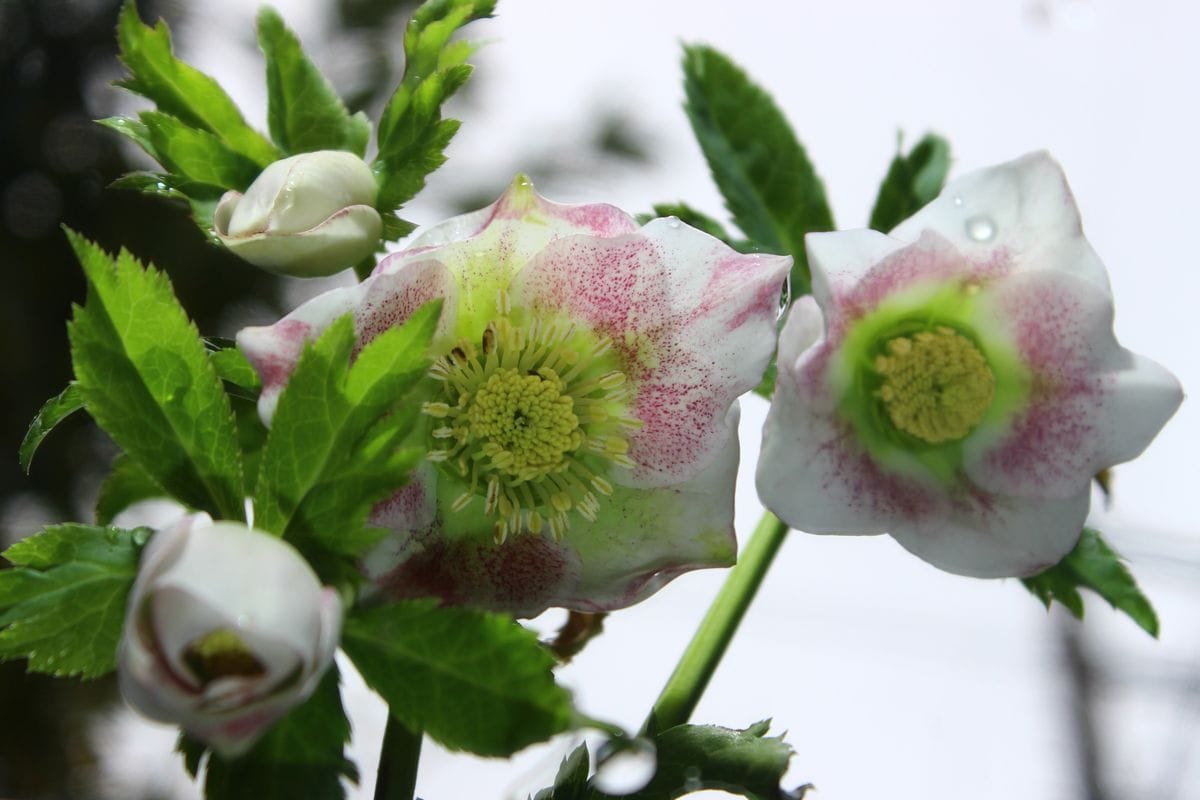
x=641 y=540
x=524 y=576
x=1021 y=212
x=855 y=271
x=484 y=249
x=838 y=260
x=413 y=506
x=646 y=537
x=378 y=303
x=390 y=298
x=522 y=204
x=692 y=320
x=1093 y=403
x=996 y=537
x=273 y=350
x=811 y=471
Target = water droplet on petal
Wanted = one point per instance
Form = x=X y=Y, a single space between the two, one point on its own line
x=673 y=222
x=160 y=186
x=958 y=201
x=981 y=228
x=691 y=780
x=626 y=767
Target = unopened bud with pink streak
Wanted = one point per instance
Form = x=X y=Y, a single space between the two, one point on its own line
x=227 y=629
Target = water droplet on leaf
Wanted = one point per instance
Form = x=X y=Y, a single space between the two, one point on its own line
x=626 y=766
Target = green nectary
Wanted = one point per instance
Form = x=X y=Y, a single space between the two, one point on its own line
x=923 y=372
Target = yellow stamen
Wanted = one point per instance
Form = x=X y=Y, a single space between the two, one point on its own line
x=937 y=385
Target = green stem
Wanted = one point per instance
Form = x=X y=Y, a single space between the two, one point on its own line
x=696 y=667
x=398 y=759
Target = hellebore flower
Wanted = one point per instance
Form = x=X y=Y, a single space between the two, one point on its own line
x=307 y=216
x=581 y=411
x=227 y=629
x=957 y=383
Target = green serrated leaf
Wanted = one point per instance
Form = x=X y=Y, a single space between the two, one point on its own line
x=196 y=155
x=233 y=367
x=193 y=751
x=62 y=606
x=416 y=147
x=1094 y=565
x=762 y=170
x=912 y=181
x=127 y=483
x=52 y=412
x=303 y=755
x=303 y=111
x=134 y=130
x=692 y=758
x=181 y=90
x=570 y=783
x=472 y=680
x=412 y=134
x=202 y=197
x=336 y=445
x=147 y=381
x=395 y=228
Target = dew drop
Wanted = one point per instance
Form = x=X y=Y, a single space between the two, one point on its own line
x=626 y=767
x=981 y=228
x=673 y=222
x=958 y=201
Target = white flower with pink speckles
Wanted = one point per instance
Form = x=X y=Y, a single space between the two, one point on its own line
x=581 y=412
x=957 y=383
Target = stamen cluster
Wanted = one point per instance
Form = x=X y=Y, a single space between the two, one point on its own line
x=532 y=421
x=937 y=385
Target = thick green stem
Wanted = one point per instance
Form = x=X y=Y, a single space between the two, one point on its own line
x=698 y=663
x=398 y=760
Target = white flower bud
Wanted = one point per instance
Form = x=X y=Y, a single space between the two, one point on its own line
x=307 y=216
x=227 y=629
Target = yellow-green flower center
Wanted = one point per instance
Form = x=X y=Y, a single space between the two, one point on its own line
x=936 y=386
x=532 y=421
x=219 y=654
x=529 y=423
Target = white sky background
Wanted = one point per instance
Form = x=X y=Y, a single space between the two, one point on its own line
x=891 y=678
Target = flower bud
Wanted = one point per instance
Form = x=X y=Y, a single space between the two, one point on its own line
x=307 y=216
x=227 y=629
